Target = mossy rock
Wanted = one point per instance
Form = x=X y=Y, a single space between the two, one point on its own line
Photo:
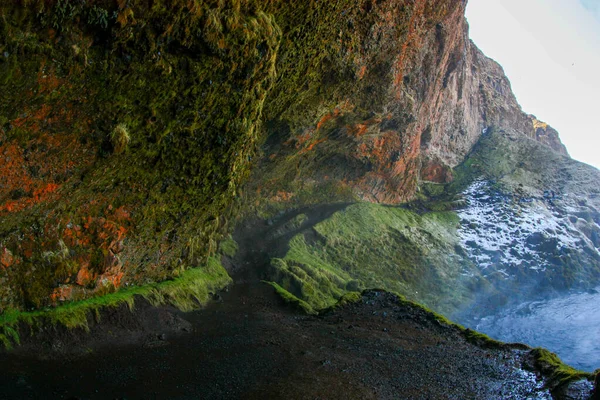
x=559 y=374
x=131 y=127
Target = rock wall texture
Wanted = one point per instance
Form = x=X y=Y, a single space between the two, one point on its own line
x=434 y=97
x=128 y=127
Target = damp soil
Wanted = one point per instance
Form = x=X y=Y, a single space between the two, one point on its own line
x=248 y=344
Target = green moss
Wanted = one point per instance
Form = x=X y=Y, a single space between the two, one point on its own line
x=482 y=340
x=291 y=299
x=187 y=292
x=189 y=85
x=374 y=246
x=120 y=138
x=557 y=372
x=349 y=298
x=228 y=247
x=430 y=189
x=193 y=82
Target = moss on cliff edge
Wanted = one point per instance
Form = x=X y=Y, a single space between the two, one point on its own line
x=559 y=374
x=187 y=292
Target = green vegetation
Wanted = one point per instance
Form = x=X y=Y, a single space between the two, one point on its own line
x=228 y=247
x=291 y=299
x=349 y=298
x=559 y=373
x=481 y=339
x=120 y=138
x=374 y=246
x=186 y=292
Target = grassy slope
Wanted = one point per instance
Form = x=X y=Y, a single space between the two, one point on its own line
x=374 y=246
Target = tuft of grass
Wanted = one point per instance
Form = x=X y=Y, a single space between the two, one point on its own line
x=291 y=299
x=120 y=138
x=187 y=292
x=559 y=374
x=349 y=298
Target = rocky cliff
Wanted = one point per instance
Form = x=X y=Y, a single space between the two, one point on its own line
x=157 y=149
x=127 y=128
x=432 y=105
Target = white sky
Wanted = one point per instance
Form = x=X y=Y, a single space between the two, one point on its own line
x=550 y=51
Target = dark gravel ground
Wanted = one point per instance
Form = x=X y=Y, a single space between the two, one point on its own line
x=248 y=344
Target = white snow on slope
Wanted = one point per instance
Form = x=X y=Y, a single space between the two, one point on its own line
x=500 y=232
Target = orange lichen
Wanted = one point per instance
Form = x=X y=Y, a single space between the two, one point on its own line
x=84 y=276
x=302 y=139
x=6 y=258
x=91 y=234
x=113 y=275
x=359 y=130
x=362 y=72
x=310 y=146
x=45 y=149
x=283 y=196
x=62 y=293
x=328 y=117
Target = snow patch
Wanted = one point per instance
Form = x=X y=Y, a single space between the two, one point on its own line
x=502 y=232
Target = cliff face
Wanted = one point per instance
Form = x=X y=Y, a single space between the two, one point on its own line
x=432 y=105
x=470 y=93
x=127 y=128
